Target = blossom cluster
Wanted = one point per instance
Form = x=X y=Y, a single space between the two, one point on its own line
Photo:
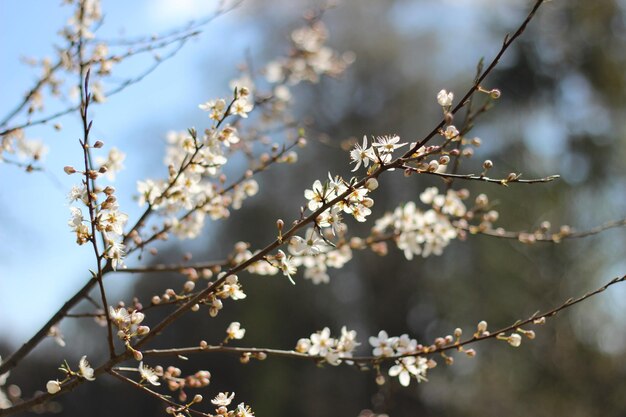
x=15 y=142
x=333 y=350
x=317 y=256
x=305 y=251
x=105 y=215
x=424 y=232
x=309 y=57
x=406 y=367
x=231 y=288
x=379 y=151
x=223 y=401
x=85 y=371
x=172 y=376
x=129 y=326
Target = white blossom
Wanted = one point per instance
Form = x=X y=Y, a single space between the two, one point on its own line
x=223 y=399
x=409 y=367
x=234 y=331
x=383 y=344
x=85 y=369
x=445 y=98
x=362 y=154
x=148 y=374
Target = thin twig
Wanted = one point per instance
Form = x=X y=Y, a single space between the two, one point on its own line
x=543 y=236
x=378 y=359
x=155 y=394
x=475 y=177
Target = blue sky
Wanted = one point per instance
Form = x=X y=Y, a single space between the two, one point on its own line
x=41 y=264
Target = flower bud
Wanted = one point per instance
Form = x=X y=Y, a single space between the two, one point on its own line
x=514 y=340
x=53 y=386
x=98 y=144
x=137 y=355
x=141 y=330
x=189 y=286
x=371 y=184
x=482 y=326
x=69 y=170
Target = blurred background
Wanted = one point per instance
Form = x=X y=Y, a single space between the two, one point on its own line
x=561 y=112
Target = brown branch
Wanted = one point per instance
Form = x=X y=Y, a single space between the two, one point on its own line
x=475 y=177
x=91 y=204
x=173 y=267
x=28 y=346
x=541 y=236
x=155 y=394
x=513 y=327
x=300 y=224
x=378 y=359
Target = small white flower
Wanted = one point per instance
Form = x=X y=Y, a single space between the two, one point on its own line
x=119 y=316
x=317 y=195
x=406 y=345
x=234 y=331
x=387 y=144
x=347 y=343
x=303 y=345
x=214 y=107
x=85 y=369
x=286 y=265
x=113 y=221
x=321 y=343
x=408 y=367
x=383 y=344
x=311 y=244
x=445 y=99
x=241 y=107
x=332 y=218
x=244 y=411
x=115 y=252
x=452 y=133
x=148 y=374
x=362 y=154
x=514 y=340
x=223 y=399
x=232 y=289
